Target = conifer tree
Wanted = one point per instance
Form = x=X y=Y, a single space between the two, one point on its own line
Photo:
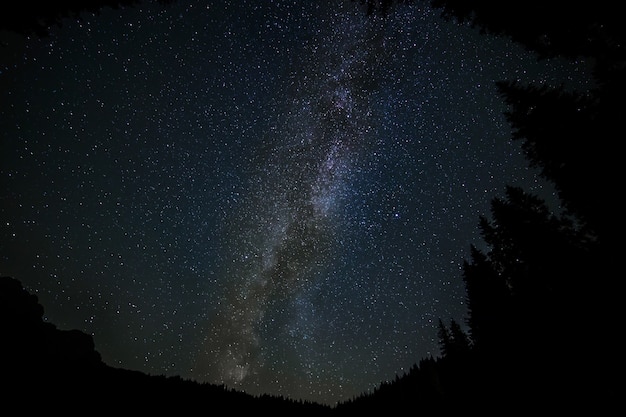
x=488 y=300
x=445 y=339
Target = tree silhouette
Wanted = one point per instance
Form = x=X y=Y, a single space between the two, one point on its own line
x=524 y=296
x=489 y=301
x=570 y=136
x=532 y=248
x=543 y=295
x=557 y=268
x=445 y=339
x=571 y=140
x=453 y=341
x=461 y=343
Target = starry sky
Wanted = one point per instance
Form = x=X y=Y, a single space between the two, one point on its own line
x=273 y=195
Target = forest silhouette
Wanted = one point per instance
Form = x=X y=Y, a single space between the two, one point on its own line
x=543 y=300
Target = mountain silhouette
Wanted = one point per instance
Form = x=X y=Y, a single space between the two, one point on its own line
x=48 y=369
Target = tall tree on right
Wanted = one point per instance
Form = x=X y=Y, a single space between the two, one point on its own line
x=573 y=138
x=543 y=298
x=556 y=273
x=489 y=304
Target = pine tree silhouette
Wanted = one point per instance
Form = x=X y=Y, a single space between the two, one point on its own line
x=489 y=302
x=544 y=293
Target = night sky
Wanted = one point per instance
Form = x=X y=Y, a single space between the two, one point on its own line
x=273 y=195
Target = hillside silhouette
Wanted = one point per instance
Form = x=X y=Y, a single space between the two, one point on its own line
x=47 y=369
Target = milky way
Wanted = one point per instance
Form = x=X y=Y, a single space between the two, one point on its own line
x=287 y=231
x=276 y=196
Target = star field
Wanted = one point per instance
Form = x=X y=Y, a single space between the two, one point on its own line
x=275 y=195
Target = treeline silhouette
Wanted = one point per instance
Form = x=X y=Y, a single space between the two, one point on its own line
x=45 y=369
x=544 y=298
